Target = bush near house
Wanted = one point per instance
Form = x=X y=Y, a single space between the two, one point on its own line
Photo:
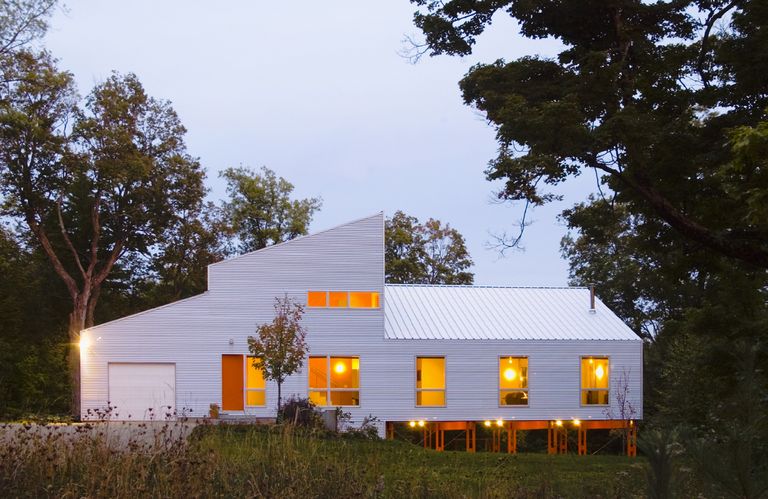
x=282 y=461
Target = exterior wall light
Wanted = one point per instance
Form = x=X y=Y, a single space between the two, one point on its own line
x=421 y=423
x=576 y=422
x=499 y=422
x=559 y=422
x=487 y=423
x=412 y=424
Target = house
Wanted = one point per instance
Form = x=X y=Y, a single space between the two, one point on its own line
x=439 y=358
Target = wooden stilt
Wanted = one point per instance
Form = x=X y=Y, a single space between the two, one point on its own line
x=551 y=439
x=582 y=441
x=471 y=437
x=563 y=441
x=390 y=430
x=511 y=439
x=632 y=440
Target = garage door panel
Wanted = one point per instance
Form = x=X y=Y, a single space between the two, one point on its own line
x=142 y=391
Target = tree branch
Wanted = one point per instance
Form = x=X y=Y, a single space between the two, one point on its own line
x=68 y=241
x=51 y=253
x=713 y=17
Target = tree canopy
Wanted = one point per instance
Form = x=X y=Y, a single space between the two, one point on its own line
x=644 y=96
x=260 y=210
x=429 y=253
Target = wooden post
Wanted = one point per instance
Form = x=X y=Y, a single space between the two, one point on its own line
x=471 y=437
x=511 y=439
x=563 y=443
x=551 y=439
x=390 y=430
x=632 y=440
x=582 y=441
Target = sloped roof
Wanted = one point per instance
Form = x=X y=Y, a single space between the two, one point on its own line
x=423 y=312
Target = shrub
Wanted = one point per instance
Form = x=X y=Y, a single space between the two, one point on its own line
x=298 y=411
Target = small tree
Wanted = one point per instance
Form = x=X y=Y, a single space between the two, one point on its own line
x=280 y=346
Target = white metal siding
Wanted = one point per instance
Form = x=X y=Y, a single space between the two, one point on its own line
x=194 y=333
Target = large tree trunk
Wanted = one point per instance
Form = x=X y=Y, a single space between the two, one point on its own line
x=76 y=325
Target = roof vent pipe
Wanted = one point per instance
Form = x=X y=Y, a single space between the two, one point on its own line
x=592 y=299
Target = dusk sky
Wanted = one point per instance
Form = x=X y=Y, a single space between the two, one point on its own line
x=319 y=93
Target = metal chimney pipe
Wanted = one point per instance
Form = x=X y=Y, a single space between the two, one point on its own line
x=592 y=299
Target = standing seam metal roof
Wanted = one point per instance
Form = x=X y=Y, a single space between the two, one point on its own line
x=424 y=312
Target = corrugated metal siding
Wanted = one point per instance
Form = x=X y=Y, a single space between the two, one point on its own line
x=194 y=333
x=416 y=312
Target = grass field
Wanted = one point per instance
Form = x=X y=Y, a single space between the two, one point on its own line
x=225 y=461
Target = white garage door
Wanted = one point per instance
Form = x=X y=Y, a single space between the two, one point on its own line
x=142 y=391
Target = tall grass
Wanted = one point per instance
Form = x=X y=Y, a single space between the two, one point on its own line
x=158 y=460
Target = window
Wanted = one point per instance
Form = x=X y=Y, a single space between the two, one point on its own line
x=241 y=384
x=513 y=380
x=360 y=299
x=343 y=299
x=317 y=299
x=334 y=381
x=338 y=299
x=430 y=381
x=255 y=385
x=594 y=380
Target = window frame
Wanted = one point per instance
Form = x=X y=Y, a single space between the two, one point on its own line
x=498 y=383
x=581 y=375
x=348 y=307
x=416 y=389
x=328 y=390
x=245 y=384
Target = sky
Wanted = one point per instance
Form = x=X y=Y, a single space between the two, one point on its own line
x=319 y=92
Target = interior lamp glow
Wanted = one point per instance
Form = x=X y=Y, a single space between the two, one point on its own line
x=599 y=372
x=509 y=374
x=339 y=367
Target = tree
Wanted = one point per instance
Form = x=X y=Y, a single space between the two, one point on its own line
x=280 y=346
x=429 y=253
x=104 y=189
x=643 y=96
x=21 y=22
x=260 y=210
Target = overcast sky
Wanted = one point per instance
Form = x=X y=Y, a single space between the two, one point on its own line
x=319 y=93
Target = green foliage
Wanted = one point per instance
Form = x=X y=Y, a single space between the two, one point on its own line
x=299 y=411
x=661 y=447
x=280 y=346
x=429 y=253
x=22 y=22
x=261 y=211
x=645 y=95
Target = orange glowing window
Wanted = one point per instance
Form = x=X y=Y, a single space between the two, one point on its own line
x=513 y=380
x=255 y=384
x=430 y=381
x=317 y=299
x=363 y=299
x=338 y=299
x=595 y=382
x=334 y=381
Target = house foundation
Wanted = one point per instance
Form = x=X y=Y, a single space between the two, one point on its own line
x=433 y=433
